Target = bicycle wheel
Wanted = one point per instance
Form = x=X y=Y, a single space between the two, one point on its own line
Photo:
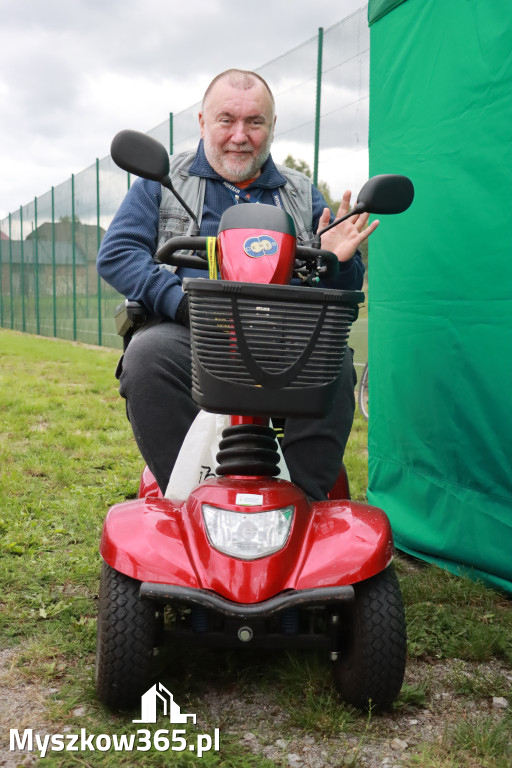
x=362 y=399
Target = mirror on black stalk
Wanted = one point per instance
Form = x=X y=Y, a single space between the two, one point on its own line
x=387 y=193
x=144 y=156
x=141 y=155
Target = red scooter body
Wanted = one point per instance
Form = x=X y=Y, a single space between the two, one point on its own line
x=257 y=255
x=327 y=583
x=331 y=543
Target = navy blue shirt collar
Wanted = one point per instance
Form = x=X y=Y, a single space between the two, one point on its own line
x=270 y=178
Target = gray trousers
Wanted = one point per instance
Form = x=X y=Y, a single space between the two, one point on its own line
x=156 y=381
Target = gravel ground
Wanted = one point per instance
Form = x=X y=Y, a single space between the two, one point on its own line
x=262 y=726
x=390 y=739
x=22 y=705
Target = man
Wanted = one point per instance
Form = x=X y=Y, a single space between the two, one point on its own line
x=231 y=165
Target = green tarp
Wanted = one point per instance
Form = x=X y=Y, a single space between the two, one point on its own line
x=440 y=300
x=379 y=8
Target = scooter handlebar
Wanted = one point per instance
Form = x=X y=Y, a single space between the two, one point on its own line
x=327 y=261
x=167 y=254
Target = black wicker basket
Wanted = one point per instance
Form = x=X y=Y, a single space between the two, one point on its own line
x=267 y=350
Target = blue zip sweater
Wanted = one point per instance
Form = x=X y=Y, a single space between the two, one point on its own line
x=125 y=258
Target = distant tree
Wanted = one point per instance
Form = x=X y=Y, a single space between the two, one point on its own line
x=69 y=219
x=322 y=186
x=298 y=165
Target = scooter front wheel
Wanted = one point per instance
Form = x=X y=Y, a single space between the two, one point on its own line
x=370 y=667
x=127 y=633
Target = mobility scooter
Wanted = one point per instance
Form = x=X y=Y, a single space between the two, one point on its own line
x=247 y=560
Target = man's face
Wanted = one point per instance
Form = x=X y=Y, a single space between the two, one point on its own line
x=237 y=127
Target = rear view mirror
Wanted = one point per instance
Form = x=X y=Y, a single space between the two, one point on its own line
x=144 y=156
x=387 y=193
x=141 y=155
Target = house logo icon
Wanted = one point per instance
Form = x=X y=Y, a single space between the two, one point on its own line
x=159 y=697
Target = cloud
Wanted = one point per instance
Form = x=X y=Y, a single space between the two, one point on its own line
x=74 y=72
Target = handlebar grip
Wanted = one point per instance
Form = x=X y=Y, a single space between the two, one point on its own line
x=326 y=258
x=167 y=253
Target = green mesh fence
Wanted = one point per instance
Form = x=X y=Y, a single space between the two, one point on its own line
x=48 y=280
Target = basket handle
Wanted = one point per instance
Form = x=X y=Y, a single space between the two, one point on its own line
x=274 y=380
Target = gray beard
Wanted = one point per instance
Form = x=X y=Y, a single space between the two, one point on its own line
x=230 y=172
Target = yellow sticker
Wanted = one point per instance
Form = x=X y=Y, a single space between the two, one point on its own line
x=211 y=243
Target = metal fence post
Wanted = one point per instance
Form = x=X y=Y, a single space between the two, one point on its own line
x=10 y=272
x=22 y=275
x=320 y=55
x=1 y=287
x=171 y=133
x=73 y=251
x=54 y=267
x=36 y=260
x=98 y=243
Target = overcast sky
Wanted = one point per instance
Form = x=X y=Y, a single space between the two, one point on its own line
x=74 y=72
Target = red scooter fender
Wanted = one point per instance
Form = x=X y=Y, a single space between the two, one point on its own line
x=331 y=543
x=347 y=542
x=148 y=485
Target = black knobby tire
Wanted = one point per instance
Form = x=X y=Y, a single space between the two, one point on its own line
x=127 y=632
x=370 y=668
x=362 y=398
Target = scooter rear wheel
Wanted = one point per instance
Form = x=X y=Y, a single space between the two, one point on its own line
x=370 y=668
x=127 y=633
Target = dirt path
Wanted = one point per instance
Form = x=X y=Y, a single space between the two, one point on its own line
x=262 y=726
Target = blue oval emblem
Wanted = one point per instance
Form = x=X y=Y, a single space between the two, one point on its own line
x=263 y=245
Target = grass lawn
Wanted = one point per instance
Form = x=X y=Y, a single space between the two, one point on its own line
x=67 y=455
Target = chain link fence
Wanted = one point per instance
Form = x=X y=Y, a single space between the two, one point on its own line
x=48 y=280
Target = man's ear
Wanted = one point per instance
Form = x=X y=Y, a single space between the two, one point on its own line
x=201 y=124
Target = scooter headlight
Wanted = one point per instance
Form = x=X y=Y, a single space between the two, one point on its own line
x=247 y=535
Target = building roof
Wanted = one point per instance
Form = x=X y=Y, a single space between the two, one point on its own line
x=12 y=252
